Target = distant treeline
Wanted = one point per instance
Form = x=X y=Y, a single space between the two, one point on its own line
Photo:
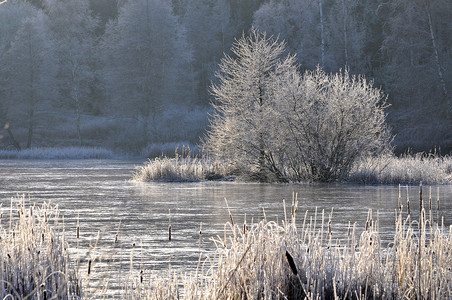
x=127 y=74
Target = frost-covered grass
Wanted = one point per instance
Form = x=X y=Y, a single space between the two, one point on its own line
x=34 y=257
x=385 y=169
x=268 y=260
x=263 y=260
x=406 y=169
x=58 y=153
x=183 y=167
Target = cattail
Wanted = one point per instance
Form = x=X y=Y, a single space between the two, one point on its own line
x=399 y=201
x=420 y=198
x=89 y=267
x=169 y=226
x=229 y=211
x=408 y=201
x=437 y=199
x=291 y=262
x=329 y=227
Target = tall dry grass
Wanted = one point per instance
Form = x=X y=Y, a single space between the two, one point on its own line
x=406 y=169
x=263 y=260
x=185 y=166
x=267 y=260
x=34 y=255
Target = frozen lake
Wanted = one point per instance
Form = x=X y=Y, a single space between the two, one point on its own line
x=100 y=193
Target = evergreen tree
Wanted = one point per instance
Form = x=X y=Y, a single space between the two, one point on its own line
x=73 y=27
x=208 y=30
x=146 y=62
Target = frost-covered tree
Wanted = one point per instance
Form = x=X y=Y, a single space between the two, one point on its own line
x=332 y=121
x=11 y=17
x=418 y=69
x=293 y=22
x=209 y=32
x=73 y=28
x=243 y=128
x=146 y=62
x=346 y=35
x=273 y=123
x=321 y=32
x=29 y=67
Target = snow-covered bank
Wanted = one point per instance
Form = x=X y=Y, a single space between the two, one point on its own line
x=59 y=153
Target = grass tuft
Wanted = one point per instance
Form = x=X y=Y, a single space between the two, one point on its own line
x=406 y=169
x=183 y=167
x=34 y=257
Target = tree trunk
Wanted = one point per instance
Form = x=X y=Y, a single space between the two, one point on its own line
x=79 y=134
x=11 y=136
x=322 y=36
x=437 y=59
x=30 y=127
x=345 y=28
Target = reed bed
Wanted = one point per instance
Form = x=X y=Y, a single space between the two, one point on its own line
x=34 y=256
x=406 y=169
x=256 y=260
x=267 y=260
x=185 y=166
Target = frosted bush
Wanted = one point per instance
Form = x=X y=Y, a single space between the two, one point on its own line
x=274 y=124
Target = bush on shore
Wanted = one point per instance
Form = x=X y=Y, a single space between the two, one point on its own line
x=274 y=123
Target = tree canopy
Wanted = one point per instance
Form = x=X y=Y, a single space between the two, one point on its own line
x=273 y=124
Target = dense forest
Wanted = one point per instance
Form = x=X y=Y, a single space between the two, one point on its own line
x=130 y=74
